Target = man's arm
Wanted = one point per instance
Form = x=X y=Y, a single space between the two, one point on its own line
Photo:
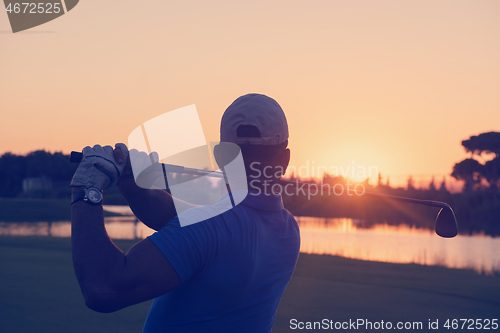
x=154 y=207
x=109 y=279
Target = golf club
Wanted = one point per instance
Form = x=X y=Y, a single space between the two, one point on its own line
x=446 y=222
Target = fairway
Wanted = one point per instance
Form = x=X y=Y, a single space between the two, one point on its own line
x=39 y=292
x=341 y=289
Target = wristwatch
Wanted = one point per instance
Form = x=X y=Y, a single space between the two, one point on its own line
x=90 y=195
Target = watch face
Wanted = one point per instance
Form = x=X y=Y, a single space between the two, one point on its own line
x=94 y=195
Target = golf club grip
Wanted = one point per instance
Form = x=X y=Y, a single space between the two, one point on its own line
x=75 y=157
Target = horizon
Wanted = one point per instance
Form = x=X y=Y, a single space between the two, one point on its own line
x=317 y=173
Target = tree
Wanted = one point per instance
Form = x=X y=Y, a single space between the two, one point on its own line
x=491 y=172
x=12 y=173
x=410 y=184
x=55 y=166
x=483 y=143
x=469 y=170
x=442 y=187
x=432 y=185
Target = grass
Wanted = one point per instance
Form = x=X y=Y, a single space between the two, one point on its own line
x=39 y=292
x=341 y=289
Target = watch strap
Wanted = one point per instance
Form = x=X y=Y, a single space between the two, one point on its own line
x=77 y=196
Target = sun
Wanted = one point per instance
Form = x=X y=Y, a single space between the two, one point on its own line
x=355 y=163
x=356 y=170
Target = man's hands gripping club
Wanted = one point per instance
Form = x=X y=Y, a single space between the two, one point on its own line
x=134 y=173
x=99 y=168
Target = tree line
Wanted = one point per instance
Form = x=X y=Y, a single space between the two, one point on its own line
x=15 y=168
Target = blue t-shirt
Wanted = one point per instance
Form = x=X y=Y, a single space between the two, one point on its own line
x=234 y=269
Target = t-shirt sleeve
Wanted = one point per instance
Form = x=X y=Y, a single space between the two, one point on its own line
x=186 y=248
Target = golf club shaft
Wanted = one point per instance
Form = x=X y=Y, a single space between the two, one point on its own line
x=76 y=157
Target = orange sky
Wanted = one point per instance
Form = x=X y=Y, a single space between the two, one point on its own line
x=393 y=84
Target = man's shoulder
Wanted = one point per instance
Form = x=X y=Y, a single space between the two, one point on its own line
x=253 y=206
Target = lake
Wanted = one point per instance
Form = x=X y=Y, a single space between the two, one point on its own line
x=333 y=236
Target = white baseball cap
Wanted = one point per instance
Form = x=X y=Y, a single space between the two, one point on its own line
x=257 y=110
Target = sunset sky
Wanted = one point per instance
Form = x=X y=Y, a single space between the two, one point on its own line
x=392 y=84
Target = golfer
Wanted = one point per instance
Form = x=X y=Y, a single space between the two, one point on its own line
x=224 y=274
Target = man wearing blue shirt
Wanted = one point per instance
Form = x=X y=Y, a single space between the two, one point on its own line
x=224 y=274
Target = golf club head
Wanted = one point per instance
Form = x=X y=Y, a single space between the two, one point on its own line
x=446 y=223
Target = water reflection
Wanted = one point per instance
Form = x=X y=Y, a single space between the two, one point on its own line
x=342 y=237
x=119 y=227
x=398 y=244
